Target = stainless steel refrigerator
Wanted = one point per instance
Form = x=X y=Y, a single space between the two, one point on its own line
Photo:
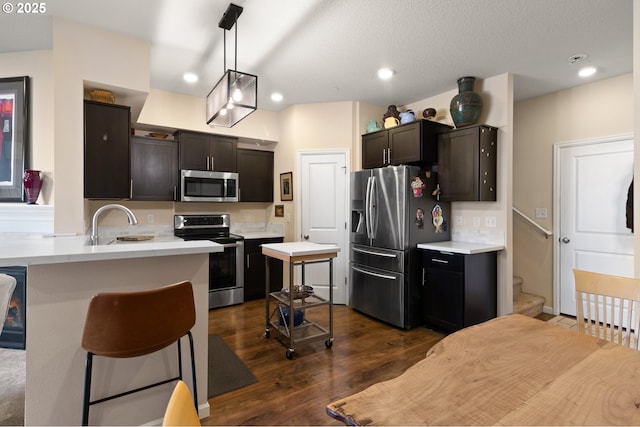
x=392 y=210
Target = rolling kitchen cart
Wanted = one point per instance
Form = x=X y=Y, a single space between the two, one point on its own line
x=288 y=315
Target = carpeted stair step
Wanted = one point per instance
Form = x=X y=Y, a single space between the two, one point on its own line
x=528 y=304
x=517 y=286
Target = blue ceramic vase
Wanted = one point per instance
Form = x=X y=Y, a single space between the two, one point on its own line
x=466 y=106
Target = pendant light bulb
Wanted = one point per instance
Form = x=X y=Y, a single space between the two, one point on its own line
x=223 y=112
x=237 y=95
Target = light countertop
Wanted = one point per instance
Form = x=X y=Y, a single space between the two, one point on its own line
x=29 y=249
x=461 y=247
x=295 y=249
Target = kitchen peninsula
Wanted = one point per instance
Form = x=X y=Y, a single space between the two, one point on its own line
x=63 y=274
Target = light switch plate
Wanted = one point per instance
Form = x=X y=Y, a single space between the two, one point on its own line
x=541 y=213
x=490 y=221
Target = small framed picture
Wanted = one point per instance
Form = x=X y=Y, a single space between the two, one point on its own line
x=286 y=186
x=279 y=210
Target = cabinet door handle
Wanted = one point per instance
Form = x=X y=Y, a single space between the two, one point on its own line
x=212 y=165
x=389 y=155
x=208 y=168
x=384 y=156
x=441 y=261
x=131 y=189
x=248 y=265
x=175 y=193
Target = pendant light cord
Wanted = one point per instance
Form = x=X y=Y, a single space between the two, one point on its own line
x=224 y=41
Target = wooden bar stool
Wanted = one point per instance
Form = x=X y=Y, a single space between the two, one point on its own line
x=132 y=324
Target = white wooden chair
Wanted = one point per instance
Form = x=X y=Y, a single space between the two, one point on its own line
x=607 y=307
x=7 y=285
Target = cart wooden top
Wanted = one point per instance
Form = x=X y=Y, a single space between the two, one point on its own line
x=300 y=251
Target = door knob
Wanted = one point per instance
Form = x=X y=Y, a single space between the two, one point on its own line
x=565 y=240
x=306 y=237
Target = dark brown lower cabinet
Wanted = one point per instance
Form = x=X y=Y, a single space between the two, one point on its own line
x=460 y=290
x=254 y=269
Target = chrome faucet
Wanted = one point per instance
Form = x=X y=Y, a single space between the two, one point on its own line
x=94 y=222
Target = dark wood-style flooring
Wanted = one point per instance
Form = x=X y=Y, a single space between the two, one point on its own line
x=295 y=392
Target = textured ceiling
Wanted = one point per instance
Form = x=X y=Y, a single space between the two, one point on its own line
x=330 y=50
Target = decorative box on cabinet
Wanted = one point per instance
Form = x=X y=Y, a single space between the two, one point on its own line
x=107 y=130
x=255 y=278
x=460 y=290
x=154 y=169
x=467 y=163
x=204 y=151
x=255 y=171
x=414 y=142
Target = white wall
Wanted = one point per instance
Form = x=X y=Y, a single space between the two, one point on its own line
x=82 y=53
x=593 y=110
x=38 y=66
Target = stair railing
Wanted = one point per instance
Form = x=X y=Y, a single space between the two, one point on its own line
x=543 y=230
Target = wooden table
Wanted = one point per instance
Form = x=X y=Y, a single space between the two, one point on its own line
x=513 y=370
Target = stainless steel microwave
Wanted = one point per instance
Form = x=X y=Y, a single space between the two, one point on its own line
x=208 y=186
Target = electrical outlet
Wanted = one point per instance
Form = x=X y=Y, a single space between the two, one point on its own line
x=150 y=218
x=541 y=213
x=459 y=220
x=476 y=221
x=490 y=221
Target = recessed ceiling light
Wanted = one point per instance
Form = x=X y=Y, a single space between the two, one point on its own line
x=587 y=71
x=385 y=73
x=276 y=97
x=190 y=77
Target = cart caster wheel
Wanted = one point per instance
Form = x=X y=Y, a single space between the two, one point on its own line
x=267 y=333
x=289 y=354
x=328 y=343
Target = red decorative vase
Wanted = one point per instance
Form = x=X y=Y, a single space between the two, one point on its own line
x=32 y=184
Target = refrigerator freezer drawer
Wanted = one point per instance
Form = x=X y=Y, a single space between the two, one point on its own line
x=378 y=294
x=384 y=259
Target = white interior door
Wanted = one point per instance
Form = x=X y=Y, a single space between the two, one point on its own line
x=323 y=217
x=593 y=183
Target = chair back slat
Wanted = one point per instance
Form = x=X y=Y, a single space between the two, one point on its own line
x=607 y=307
x=130 y=324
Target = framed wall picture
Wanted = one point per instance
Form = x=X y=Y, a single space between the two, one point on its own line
x=14 y=136
x=286 y=186
x=279 y=210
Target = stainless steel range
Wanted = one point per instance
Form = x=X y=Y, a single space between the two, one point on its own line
x=226 y=269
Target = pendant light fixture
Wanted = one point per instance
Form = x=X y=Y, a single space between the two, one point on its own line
x=235 y=96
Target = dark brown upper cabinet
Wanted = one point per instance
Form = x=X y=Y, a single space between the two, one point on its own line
x=410 y=143
x=255 y=171
x=467 y=163
x=154 y=169
x=107 y=129
x=208 y=152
